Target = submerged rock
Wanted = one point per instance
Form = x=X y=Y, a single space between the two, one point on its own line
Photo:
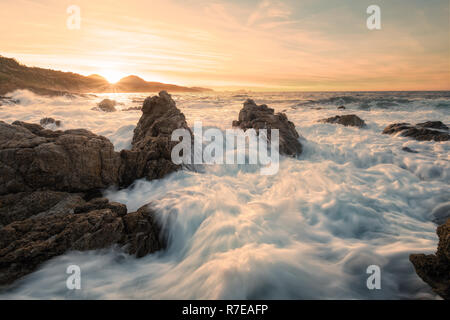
x=426 y=131
x=47 y=121
x=407 y=149
x=434 y=269
x=150 y=156
x=107 y=105
x=25 y=244
x=257 y=117
x=346 y=120
x=34 y=158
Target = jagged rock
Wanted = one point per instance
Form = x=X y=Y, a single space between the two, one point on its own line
x=25 y=244
x=426 y=131
x=107 y=105
x=434 y=269
x=47 y=121
x=346 y=120
x=22 y=205
x=150 y=156
x=257 y=117
x=33 y=158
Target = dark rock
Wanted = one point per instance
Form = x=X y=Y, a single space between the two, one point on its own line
x=150 y=156
x=434 y=269
x=25 y=244
x=433 y=125
x=346 y=120
x=142 y=232
x=107 y=105
x=47 y=121
x=427 y=131
x=407 y=149
x=259 y=117
x=341 y=108
x=34 y=159
x=23 y=205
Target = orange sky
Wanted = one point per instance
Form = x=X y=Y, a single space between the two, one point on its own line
x=258 y=45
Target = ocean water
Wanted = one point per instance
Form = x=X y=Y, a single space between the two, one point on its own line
x=351 y=200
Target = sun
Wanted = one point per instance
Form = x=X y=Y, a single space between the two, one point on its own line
x=112 y=76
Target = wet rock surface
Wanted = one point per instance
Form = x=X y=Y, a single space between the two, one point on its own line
x=346 y=120
x=434 y=269
x=426 y=131
x=253 y=116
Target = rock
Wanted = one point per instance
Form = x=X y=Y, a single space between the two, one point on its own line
x=434 y=269
x=107 y=105
x=133 y=109
x=47 y=121
x=346 y=120
x=23 y=205
x=441 y=213
x=34 y=158
x=257 y=117
x=150 y=156
x=426 y=131
x=407 y=149
x=341 y=108
x=25 y=244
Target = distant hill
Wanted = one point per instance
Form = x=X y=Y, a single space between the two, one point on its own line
x=15 y=76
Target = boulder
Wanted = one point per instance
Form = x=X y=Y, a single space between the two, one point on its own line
x=434 y=269
x=426 y=131
x=107 y=105
x=34 y=158
x=341 y=108
x=150 y=155
x=259 y=117
x=25 y=244
x=346 y=120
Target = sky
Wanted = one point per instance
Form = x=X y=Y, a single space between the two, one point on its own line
x=300 y=45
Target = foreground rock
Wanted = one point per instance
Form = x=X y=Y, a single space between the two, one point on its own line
x=107 y=105
x=346 y=120
x=434 y=269
x=259 y=117
x=150 y=156
x=426 y=131
x=25 y=244
x=34 y=158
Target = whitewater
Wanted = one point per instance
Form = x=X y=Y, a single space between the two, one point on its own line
x=353 y=199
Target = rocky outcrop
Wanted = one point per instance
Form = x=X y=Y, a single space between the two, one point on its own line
x=346 y=120
x=150 y=156
x=259 y=117
x=25 y=244
x=426 y=131
x=23 y=205
x=434 y=269
x=107 y=105
x=49 y=121
x=33 y=158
